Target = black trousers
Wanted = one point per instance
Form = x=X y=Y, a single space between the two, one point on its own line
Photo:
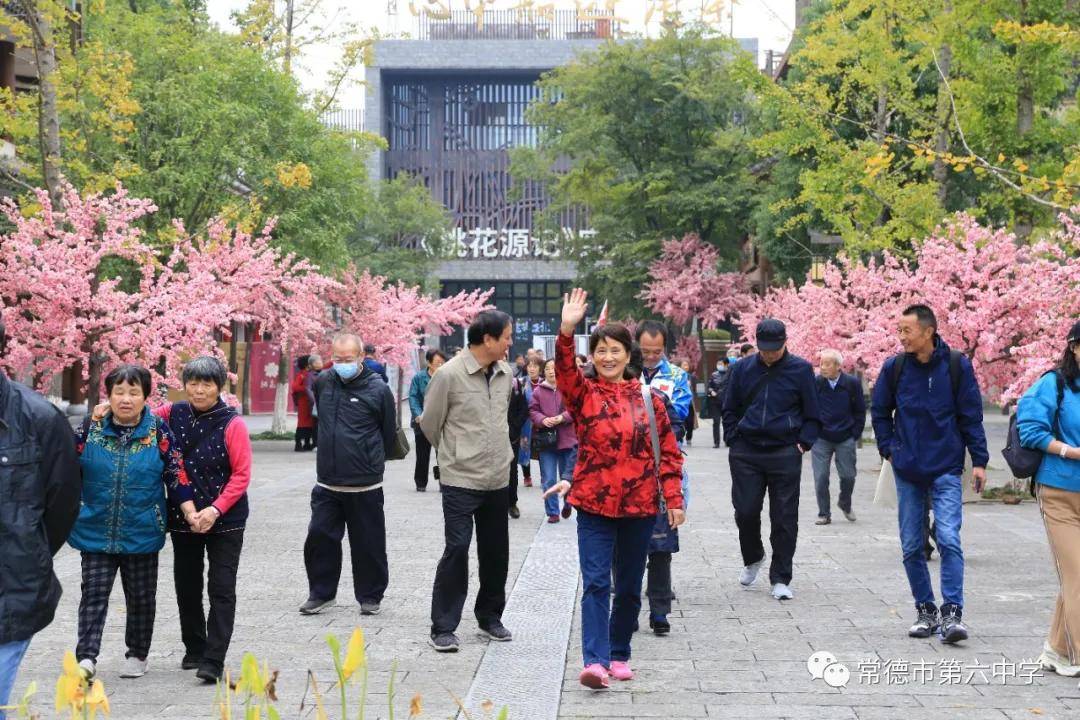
x=512 y=488
x=462 y=509
x=206 y=637
x=423 y=457
x=331 y=513
x=305 y=438
x=658 y=584
x=138 y=575
x=754 y=472
x=716 y=414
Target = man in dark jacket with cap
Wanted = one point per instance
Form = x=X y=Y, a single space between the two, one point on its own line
x=41 y=485
x=770 y=422
x=357 y=429
x=927 y=409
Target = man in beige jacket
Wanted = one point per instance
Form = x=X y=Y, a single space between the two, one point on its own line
x=465 y=418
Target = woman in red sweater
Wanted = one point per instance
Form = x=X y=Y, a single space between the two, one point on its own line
x=616 y=487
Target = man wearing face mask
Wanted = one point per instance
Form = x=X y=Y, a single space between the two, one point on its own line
x=357 y=426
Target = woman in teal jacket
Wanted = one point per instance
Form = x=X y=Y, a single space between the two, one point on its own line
x=1053 y=427
x=129 y=462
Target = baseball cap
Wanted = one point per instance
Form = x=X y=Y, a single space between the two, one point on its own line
x=771 y=334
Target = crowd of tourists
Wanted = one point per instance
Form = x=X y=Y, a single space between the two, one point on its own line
x=609 y=432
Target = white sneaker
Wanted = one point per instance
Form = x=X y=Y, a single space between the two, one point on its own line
x=780 y=591
x=749 y=573
x=1057 y=663
x=133 y=668
x=88 y=667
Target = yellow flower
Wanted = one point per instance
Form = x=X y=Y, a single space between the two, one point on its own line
x=69 y=686
x=355 y=657
x=97 y=700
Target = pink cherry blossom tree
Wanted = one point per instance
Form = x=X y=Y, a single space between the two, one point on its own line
x=81 y=285
x=1006 y=305
x=686 y=286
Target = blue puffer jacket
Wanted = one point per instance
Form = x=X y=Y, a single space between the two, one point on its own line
x=126 y=472
x=930 y=430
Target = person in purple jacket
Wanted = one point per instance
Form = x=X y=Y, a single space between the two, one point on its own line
x=546 y=410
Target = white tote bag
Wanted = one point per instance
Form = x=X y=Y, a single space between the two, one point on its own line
x=885 y=494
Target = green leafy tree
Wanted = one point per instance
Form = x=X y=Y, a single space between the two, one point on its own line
x=896 y=113
x=653 y=138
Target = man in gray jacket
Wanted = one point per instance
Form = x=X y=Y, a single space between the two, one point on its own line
x=40 y=484
x=465 y=418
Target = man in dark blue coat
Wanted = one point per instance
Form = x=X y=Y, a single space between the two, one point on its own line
x=927 y=410
x=843 y=417
x=770 y=422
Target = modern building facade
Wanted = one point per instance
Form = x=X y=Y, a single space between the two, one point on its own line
x=451 y=104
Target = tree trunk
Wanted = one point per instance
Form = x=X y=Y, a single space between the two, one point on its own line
x=397 y=403
x=944 y=110
x=1025 y=119
x=232 y=356
x=93 y=389
x=280 y=423
x=287 y=63
x=48 y=111
x=245 y=385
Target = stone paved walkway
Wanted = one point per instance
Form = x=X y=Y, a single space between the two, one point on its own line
x=732 y=653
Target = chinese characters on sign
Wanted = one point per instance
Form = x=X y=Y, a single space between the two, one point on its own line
x=510 y=243
x=874 y=671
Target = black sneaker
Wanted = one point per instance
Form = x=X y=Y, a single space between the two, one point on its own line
x=514 y=512
x=497 y=631
x=926 y=622
x=659 y=625
x=314 y=606
x=952 y=629
x=444 y=642
x=209 y=672
x=190 y=662
x=370 y=608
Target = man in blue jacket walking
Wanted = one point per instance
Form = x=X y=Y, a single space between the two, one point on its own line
x=770 y=422
x=925 y=413
x=843 y=417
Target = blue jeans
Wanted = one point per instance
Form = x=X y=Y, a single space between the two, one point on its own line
x=606 y=629
x=945 y=494
x=11 y=654
x=556 y=465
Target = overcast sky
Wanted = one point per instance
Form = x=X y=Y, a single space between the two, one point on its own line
x=771 y=21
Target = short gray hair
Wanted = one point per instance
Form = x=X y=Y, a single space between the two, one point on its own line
x=351 y=338
x=207 y=368
x=833 y=355
x=313 y=357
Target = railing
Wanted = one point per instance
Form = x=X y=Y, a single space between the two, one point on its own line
x=346 y=119
x=519 y=25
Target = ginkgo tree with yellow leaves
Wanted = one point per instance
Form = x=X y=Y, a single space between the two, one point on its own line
x=893 y=114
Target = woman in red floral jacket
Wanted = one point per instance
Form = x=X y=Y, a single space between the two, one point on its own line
x=616 y=488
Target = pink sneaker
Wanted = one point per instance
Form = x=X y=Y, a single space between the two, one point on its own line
x=594 y=676
x=620 y=670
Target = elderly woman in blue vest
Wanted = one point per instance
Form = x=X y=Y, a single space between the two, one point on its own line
x=1048 y=419
x=129 y=461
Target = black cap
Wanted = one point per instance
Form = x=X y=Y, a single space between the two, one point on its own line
x=771 y=334
x=1074 y=334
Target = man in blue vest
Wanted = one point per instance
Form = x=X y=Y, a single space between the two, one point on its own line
x=673 y=381
x=927 y=409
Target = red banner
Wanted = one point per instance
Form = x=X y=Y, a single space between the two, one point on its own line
x=263 y=381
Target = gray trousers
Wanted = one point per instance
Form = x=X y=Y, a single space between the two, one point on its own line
x=822 y=456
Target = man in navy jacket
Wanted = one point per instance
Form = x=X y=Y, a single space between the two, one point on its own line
x=924 y=418
x=770 y=422
x=843 y=417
